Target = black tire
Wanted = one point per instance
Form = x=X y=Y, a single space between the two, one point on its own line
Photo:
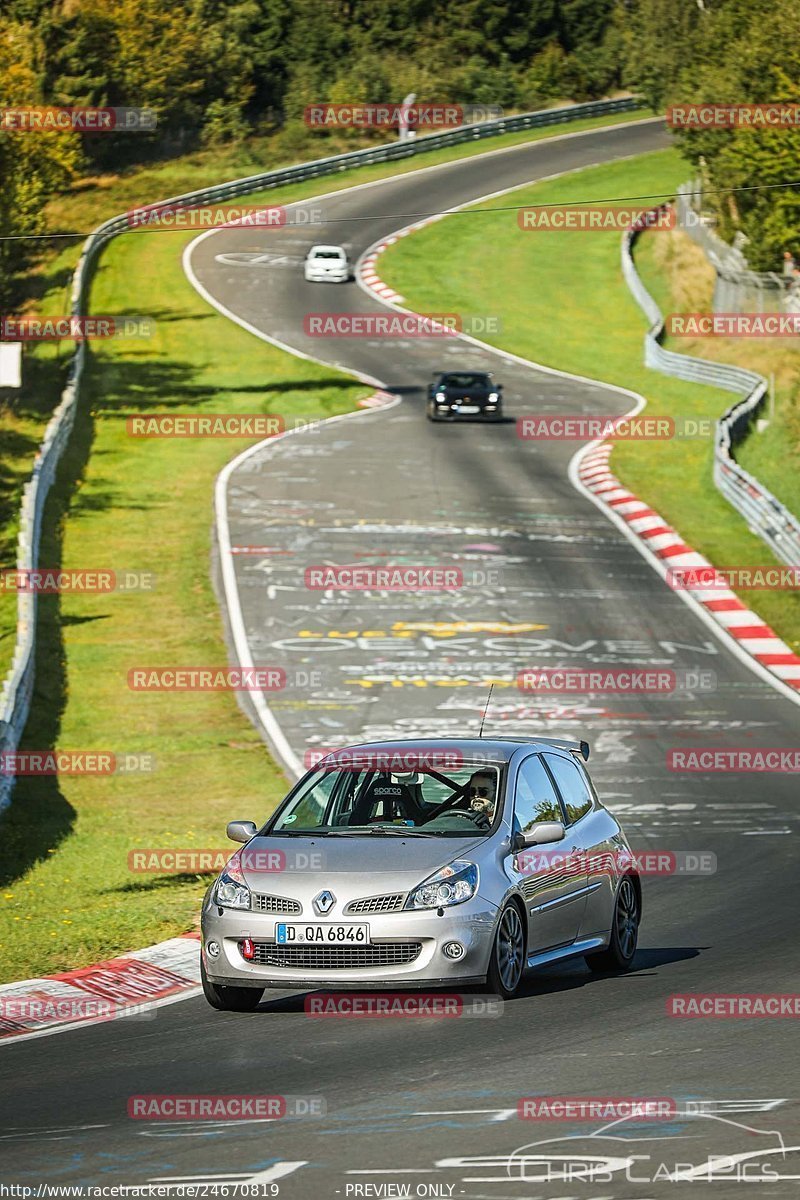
x=618 y=956
x=229 y=999
x=507 y=963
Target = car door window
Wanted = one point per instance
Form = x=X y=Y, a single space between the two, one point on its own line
x=572 y=785
x=536 y=798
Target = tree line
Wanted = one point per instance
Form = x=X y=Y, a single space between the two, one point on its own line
x=227 y=70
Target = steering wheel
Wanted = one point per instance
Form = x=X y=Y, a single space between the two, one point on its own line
x=480 y=818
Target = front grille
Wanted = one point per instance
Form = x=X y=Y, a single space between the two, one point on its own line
x=275 y=904
x=336 y=958
x=377 y=904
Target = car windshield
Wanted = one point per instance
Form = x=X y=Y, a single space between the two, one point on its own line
x=339 y=254
x=465 y=381
x=356 y=800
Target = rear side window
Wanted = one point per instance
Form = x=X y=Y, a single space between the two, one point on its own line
x=571 y=783
x=536 y=798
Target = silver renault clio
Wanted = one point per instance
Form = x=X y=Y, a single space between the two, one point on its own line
x=424 y=863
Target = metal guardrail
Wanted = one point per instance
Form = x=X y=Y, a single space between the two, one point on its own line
x=737 y=288
x=15 y=700
x=764 y=513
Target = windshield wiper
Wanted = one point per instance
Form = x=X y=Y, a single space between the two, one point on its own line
x=383 y=830
x=309 y=833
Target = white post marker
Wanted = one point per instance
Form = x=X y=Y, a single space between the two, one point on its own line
x=405 y=133
x=10 y=364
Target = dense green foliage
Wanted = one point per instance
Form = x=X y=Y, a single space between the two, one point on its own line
x=729 y=52
x=219 y=70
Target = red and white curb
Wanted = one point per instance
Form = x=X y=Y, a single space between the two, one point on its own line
x=367 y=273
x=134 y=984
x=370 y=278
x=751 y=633
x=366 y=270
x=376 y=400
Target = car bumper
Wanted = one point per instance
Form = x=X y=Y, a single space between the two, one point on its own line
x=472 y=924
x=469 y=413
x=326 y=277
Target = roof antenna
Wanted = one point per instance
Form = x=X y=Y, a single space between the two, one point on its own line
x=486 y=709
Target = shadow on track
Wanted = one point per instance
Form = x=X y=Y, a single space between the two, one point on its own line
x=559 y=978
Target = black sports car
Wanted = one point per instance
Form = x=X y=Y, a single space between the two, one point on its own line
x=464 y=394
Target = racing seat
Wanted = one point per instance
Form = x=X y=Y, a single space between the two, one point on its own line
x=384 y=800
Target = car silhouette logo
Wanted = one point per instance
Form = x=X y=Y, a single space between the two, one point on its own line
x=324 y=902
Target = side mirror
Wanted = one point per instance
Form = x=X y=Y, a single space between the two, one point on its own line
x=541 y=834
x=241 y=831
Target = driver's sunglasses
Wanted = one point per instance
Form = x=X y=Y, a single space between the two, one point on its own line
x=479 y=791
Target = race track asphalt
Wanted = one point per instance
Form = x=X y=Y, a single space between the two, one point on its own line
x=431 y=1105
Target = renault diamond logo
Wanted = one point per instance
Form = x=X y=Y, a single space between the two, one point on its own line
x=324 y=902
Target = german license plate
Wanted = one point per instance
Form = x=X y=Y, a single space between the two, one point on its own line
x=321 y=935
x=469 y=408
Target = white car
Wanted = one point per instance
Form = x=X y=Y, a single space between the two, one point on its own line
x=327 y=264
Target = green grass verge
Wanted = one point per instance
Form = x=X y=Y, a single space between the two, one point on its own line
x=141 y=505
x=562 y=301
x=676 y=272
x=774 y=458
x=23 y=415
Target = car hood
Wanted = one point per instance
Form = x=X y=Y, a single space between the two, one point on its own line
x=350 y=867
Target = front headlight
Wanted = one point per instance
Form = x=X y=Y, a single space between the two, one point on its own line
x=441 y=398
x=231 y=893
x=493 y=397
x=452 y=885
